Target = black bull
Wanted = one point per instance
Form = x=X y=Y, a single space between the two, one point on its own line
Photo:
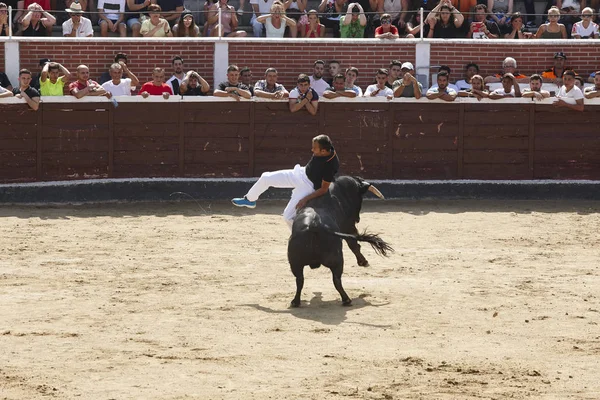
x=319 y=228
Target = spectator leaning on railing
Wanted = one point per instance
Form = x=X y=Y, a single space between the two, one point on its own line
x=26 y=92
x=441 y=90
x=569 y=95
x=338 y=88
x=477 y=89
x=84 y=86
x=351 y=75
x=156 y=87
x=119 y=86
x=593 y=91
x=535 y=90
x=408 y=86
x=194 y=85
x=303 y=96
x=379 y=89
x=268 y=88
x=510 y=88
x=232 y=87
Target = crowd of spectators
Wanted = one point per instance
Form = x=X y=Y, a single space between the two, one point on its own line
x=384 y=19
x=397 y=80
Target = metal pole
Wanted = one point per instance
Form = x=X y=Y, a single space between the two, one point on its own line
x=220 y=27
x=422 y=22
x=10 y=22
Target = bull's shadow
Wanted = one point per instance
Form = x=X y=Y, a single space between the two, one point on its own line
x=329 y=312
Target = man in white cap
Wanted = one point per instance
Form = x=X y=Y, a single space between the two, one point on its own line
x=77 y=25
x=408 y=86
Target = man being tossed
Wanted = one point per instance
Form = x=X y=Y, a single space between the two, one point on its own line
x=308 y=182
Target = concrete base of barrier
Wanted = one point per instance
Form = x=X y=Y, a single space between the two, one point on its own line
x=126 y=190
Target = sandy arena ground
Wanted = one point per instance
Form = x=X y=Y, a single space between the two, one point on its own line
x=482 y=300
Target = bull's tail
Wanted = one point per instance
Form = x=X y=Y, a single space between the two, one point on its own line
x=380 y=246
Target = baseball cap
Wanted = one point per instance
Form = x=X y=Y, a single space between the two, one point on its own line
x=43 y=61
x=407 y=65
x=560 y=54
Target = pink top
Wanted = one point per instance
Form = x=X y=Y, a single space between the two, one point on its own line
x=312 y=35
x=225 y=18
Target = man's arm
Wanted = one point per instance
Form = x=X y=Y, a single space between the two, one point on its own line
x=433 y=95
x=66 y=74
x=134 y=80
x=317 y=193
x=578 y=106
x=34 y=103
x=44 y=74
x=329 y=94
x=312 y=106
x=6 y=93
x=517 y=88
x=591 y=94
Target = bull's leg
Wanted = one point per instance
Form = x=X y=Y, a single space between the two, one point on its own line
x=336 y=272
x=355 y=247
x=298 y=271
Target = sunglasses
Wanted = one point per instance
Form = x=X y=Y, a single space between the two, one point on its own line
x=386 y=22
x=587 y=15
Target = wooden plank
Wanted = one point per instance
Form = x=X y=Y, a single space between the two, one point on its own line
x=377 y=119
x=496 y=157
x=434 y=116
x=181 y=141
x=497 y=143
x=18 y=131
x=217 y=171
x=436 y=171
x=531 y=142
x=39 y=146
x=275 y=112
x=66 y=172
x=547 y=114
x=146 y=171
x=75 y=132
x=251 y=140
x=426 y=157
x=499 y=118
x=375 y=164
x=147 y=114
x=567 y=143
x=217 y=130
x=19 y=114
x=111 y=141
x=303 y=130
x=435 y=130
x=567 y=171
x=67 y=117
x=17 y=174
x=426 y=143
x=218 y=144
x=461 y=141
x=496 y=171
x=389 y=143
x=215 y=157
x=146 y=157
x=78 y=145
x=10 y=159
x=567 y=156
x=146 y=144
x=492 y=131
x=22 y=144
x=74 y=159
x=567 y=131
x=219 y=112
x=145 y=130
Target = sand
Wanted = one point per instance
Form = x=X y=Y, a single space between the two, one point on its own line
x=482 y=300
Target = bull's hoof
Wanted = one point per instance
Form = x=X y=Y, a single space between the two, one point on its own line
x=295 y=303
x=363 y=263
x=347 y=303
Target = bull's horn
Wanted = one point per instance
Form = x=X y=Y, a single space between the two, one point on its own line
x=376 y=192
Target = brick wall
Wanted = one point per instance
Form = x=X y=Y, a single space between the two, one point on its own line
x=98 y=56
x=293 y=59
x=532 y=56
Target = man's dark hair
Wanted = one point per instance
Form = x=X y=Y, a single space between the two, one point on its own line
x=535 y=77
x=319 y=62
x=481 y=7
x=53 y=66
x=445 y=68
x=232 y=68
x=245 y=69
x=154 y=8
x=353 y=69
x=24 y=71
x=469 y=65
x=395 y=62
x=177 y=58
x=382 y=71
x=334 y=62
x=303 y=78
x=339 y=76
x=516 y=15
x=270 y=69
x=443 y=73
x=121 y=56
x=570 y=72
x=324 y=142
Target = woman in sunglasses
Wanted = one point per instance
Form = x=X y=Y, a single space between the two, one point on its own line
x=586 y=28
x=552 y=30
x=386 y=30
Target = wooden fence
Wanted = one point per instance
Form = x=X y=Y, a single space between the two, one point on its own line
x=210 y=137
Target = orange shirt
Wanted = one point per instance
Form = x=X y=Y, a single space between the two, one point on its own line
x=549 y=73
x=465 y=6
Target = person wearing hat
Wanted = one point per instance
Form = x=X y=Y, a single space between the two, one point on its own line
x=408 y=86
x=111 y=17
x=77 y=25
x=353 y=24
x=554 y=74
x=186 y=27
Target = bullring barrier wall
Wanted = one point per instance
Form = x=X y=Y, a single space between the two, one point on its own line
x=378 y=139
x=210 y=56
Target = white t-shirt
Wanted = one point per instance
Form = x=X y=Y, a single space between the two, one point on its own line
x=463 y=85
x=83 y=30
x=590 y=31
x=273 y=32
x=436 y=89
x=122 y=89
x=501 y=92
x=319 y=85
x=382 y=93
x=450 y=86
x=571 y=96
x=263 y=7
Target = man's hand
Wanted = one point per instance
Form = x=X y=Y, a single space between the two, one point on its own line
x=108 y=95
x=124 y=66
x=145 y=94
x=309 y=95
x=166 y=95
x=375 y=92
x=234 y=95
x=301 y=204
x=278 y=95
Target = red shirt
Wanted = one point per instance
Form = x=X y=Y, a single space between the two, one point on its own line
x=393 y=30
x=45 y=4
x=154 y=90
x=80 y=86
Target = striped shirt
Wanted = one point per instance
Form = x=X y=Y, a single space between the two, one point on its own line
x=112 y=8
